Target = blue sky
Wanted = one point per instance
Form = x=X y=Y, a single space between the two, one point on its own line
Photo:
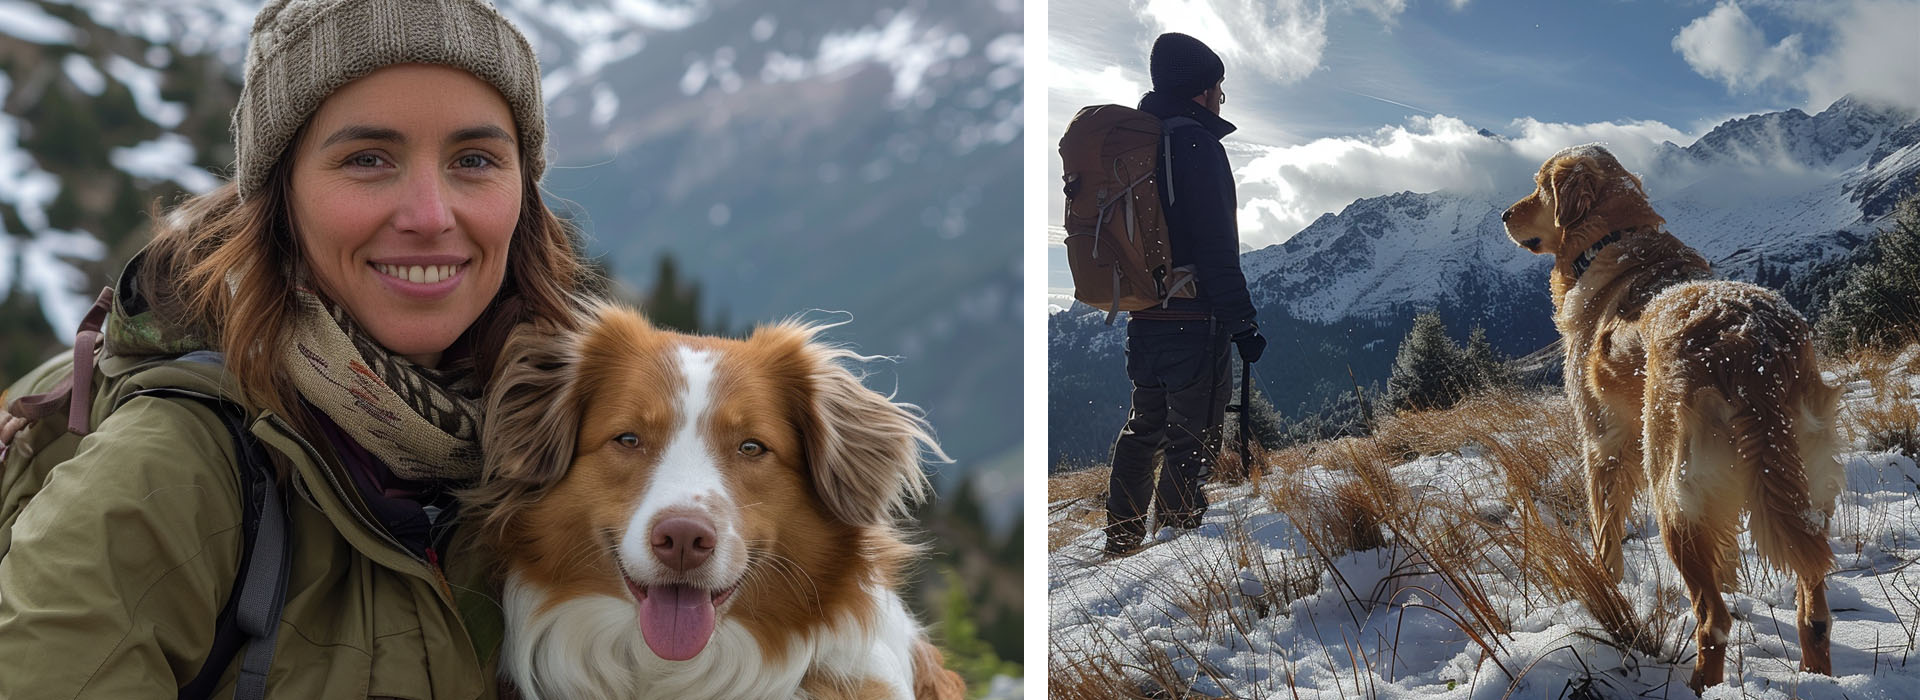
x=1343 y=99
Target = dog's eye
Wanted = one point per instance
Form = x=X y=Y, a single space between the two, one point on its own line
x=752 y=448
x=627 y=440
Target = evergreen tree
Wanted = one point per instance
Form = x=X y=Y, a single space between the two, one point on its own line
x=675 y=303
x=966 y=653
x=1429 y=371
x=1486 y=368
x=1343 y=414
x=29 y=341
x=1878 y=303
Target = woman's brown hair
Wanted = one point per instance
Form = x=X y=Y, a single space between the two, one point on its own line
x=223 y=268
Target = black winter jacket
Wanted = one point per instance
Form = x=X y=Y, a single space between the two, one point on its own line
x=1202 y=225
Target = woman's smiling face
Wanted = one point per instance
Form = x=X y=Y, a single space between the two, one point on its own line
x=406 y=189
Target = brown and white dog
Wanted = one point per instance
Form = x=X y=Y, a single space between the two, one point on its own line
x=1706 y=391
x=692 y=517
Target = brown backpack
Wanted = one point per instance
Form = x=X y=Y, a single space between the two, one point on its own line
x=1116 y=228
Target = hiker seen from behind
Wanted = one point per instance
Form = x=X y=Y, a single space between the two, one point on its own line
x=1151 y=231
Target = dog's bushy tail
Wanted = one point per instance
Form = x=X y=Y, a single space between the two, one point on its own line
x=1782 y=425
x=1789 y=529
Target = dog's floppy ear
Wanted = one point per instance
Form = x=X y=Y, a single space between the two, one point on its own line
x=864 y=450
x=1575 y=187
x=533 y=414
x=532 y=419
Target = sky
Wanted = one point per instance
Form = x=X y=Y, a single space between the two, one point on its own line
x=1341 y=99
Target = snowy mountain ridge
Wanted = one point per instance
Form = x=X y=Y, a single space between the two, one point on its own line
x=1784 y=186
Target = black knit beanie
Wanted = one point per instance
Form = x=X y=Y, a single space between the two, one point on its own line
x=1183 y=67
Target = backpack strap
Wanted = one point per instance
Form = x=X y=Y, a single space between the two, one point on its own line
x=74 y=392
x=251 y=617
x=1166 y=147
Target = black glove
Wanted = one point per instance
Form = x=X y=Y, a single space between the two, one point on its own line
x=1251 y=344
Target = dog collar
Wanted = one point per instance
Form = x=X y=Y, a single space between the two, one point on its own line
x=1581 y=263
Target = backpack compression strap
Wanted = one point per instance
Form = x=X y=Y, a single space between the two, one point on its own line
x=1166 y=147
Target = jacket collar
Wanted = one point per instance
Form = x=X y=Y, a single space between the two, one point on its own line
x=135 y=329
x=1165 y=106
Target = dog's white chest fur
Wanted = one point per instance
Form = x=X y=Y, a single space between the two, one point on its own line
x=589 y=648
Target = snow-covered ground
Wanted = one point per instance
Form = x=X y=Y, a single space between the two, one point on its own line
x=1245 y=607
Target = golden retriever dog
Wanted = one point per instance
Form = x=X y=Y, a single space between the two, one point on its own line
x=1706 y=391
x=696 y=518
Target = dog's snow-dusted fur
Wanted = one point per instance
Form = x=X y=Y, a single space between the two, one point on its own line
x=607 y=439
x=1706 y=391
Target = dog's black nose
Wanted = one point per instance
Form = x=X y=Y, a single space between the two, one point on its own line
x=683 y=543
x=1508 y=214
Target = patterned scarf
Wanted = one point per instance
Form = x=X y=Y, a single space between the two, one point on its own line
x=423 y=423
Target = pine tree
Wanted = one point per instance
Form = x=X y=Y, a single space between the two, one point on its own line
x=1878 y=303
x=1429 y=369
x=959 y=632
x=675 y=303
x=1487 y=369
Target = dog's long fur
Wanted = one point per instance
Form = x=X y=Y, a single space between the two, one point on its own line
x=1707 y=391
x=807 y=553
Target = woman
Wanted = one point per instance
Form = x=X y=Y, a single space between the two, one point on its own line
x=383 y=231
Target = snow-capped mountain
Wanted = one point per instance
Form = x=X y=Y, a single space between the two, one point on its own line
x=846 y=156
x=1757 y=196
x=1785 y=186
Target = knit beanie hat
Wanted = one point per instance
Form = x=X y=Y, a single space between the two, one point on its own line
x=1183 y=67
x=303 y=50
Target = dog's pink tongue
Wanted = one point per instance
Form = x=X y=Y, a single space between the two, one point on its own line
x=676 y=621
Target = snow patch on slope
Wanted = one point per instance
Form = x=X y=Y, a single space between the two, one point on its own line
x=169 y=157
x=83 y=75
x=144 y=83
x=27 y=22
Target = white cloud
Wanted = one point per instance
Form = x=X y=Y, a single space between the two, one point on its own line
x=1874 y=56
x=1726 y=45
x=1389 y=10
x=1281 y=39
x=1284 y=189
x=1386 y=10
x=1870 y=51
x=1075 y=85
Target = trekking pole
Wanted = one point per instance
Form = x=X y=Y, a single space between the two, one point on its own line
x=1246 y=416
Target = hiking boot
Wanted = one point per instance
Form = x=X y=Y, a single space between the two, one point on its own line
x=1120 y=547
x=1183 y=521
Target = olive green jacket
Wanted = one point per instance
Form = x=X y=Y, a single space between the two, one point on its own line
x=115 y=563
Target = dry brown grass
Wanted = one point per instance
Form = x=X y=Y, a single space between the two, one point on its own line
x=1460 y=549
x=1891 y=421
x=1076 y=503
x=1088 y=484
x=1535 y=543
x=1099 y=676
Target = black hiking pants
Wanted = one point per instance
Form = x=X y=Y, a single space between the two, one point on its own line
x=1181 y=380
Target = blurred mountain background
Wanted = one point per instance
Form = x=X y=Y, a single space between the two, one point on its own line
x=730 y=163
